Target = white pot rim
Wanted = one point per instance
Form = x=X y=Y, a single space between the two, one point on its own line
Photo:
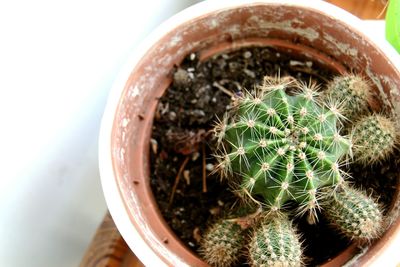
x=108 y=181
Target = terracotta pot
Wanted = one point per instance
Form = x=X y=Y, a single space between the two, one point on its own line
x=306 y=29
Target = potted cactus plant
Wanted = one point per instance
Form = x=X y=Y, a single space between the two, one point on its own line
x=277 y=148
x=324 y=35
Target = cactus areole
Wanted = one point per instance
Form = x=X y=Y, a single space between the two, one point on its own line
x=279 y=147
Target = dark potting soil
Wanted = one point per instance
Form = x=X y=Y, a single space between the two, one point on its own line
x=182 y=143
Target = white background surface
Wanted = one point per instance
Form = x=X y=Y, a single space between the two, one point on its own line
x=57 y=63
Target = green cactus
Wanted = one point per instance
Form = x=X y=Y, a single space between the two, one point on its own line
x=374 y=138
x=275 y=243
x=279 y=146
x=222 y=244
x=352 y=92
x=282 y=147
x=355 y=214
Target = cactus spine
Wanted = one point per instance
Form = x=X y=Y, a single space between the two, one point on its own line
x=352 y=92
x=374 y=138
x=275 y=243
x=283 y=147
x=355 y=214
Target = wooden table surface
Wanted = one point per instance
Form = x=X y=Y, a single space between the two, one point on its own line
x=108 y=248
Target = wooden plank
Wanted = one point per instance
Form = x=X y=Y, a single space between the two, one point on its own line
x=364 y=9
x=108 y=248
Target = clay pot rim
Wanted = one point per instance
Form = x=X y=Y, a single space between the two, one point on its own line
x=110 y=186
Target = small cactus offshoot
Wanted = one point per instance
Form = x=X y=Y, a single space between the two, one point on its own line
x=283 y=147
x=222 y=244
x=374 y=138
x=355 y=214
x=352 y=92
x=275 y=243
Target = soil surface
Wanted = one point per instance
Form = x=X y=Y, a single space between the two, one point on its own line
x=182 y=145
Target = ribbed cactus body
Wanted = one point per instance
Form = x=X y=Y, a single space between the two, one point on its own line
x=356 y=215
x=222 y=244
x=283 y=147
x=352 y=92
x=374 y=138
x=275 y=244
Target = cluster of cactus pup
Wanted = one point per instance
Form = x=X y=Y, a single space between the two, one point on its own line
x=286 y=143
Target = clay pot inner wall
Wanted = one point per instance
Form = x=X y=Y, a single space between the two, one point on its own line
x=151 y=76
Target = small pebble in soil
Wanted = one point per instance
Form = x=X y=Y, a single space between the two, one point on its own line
x=197 y=234
x=182 y=78
x=195 y=156
x=215 y=211
x=154 y=145
x=210 y=167
x=186 y=175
